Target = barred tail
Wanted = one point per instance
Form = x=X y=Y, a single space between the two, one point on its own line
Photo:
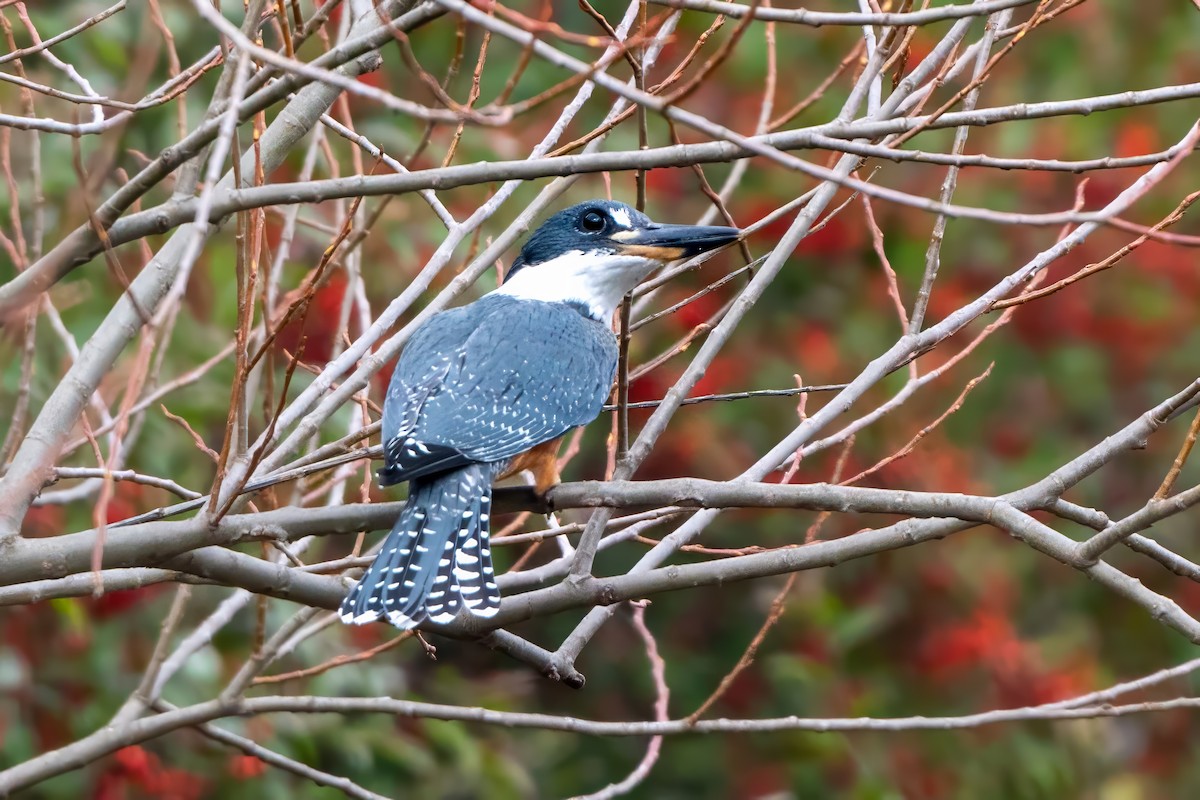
x=436 y=559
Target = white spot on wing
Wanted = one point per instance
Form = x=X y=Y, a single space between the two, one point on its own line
x=489 y=611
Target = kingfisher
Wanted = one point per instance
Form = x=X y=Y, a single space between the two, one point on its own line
x=488 y=390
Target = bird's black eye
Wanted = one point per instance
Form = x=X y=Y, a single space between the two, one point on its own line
x=592 y=222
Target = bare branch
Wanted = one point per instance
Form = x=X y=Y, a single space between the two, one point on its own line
x=803 y=16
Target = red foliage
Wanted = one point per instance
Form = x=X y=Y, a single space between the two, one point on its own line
x=751 y=775
x=1163 y=261
x=320 y=326
x=745 y=695
x=985 y=639
x=936 y=580
x=1135 y=345
x=113 y=604
x=773 y=230
x=815 y=348
x=1136 y=137
x=814 y=645
x=1170 y=744
x=136 y=763
x=1009 y=442
x=1187 y=593
x=335 y=18
x=123 y=504
x=949 y=295
x=919 y=48
x=988 y=642
x=725 y=373
x=136 y=772
x=246 y=767
x=273 y=228
x=1040 y=685
x=43 y=521
x=937 y=464
x=836 y=237
x=917 y=777
x=364 y=637
x=666 y=183
x=647 y=387
x=674 y=455
x=698 y=311
x=1061 y=316
x=384 y=376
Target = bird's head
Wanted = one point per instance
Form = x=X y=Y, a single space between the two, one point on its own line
x=594 y=253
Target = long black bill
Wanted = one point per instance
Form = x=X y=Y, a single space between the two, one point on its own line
x=669 y=242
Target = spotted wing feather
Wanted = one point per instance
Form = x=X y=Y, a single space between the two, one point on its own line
x=527 y=373
x=472 y=567
x=413 y=577
x=475 y=387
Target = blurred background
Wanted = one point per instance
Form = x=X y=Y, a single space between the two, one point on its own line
x=970 y=623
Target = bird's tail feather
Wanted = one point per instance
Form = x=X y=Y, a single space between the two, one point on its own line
x=437 y=557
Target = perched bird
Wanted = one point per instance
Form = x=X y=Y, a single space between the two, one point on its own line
x=487 y=390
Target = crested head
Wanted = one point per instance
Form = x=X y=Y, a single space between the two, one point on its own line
x=592 y=254
x=586 y=226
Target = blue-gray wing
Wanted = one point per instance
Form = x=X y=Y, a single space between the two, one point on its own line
x=490 y=380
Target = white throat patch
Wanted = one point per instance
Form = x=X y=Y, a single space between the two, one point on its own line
x=597 y=280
